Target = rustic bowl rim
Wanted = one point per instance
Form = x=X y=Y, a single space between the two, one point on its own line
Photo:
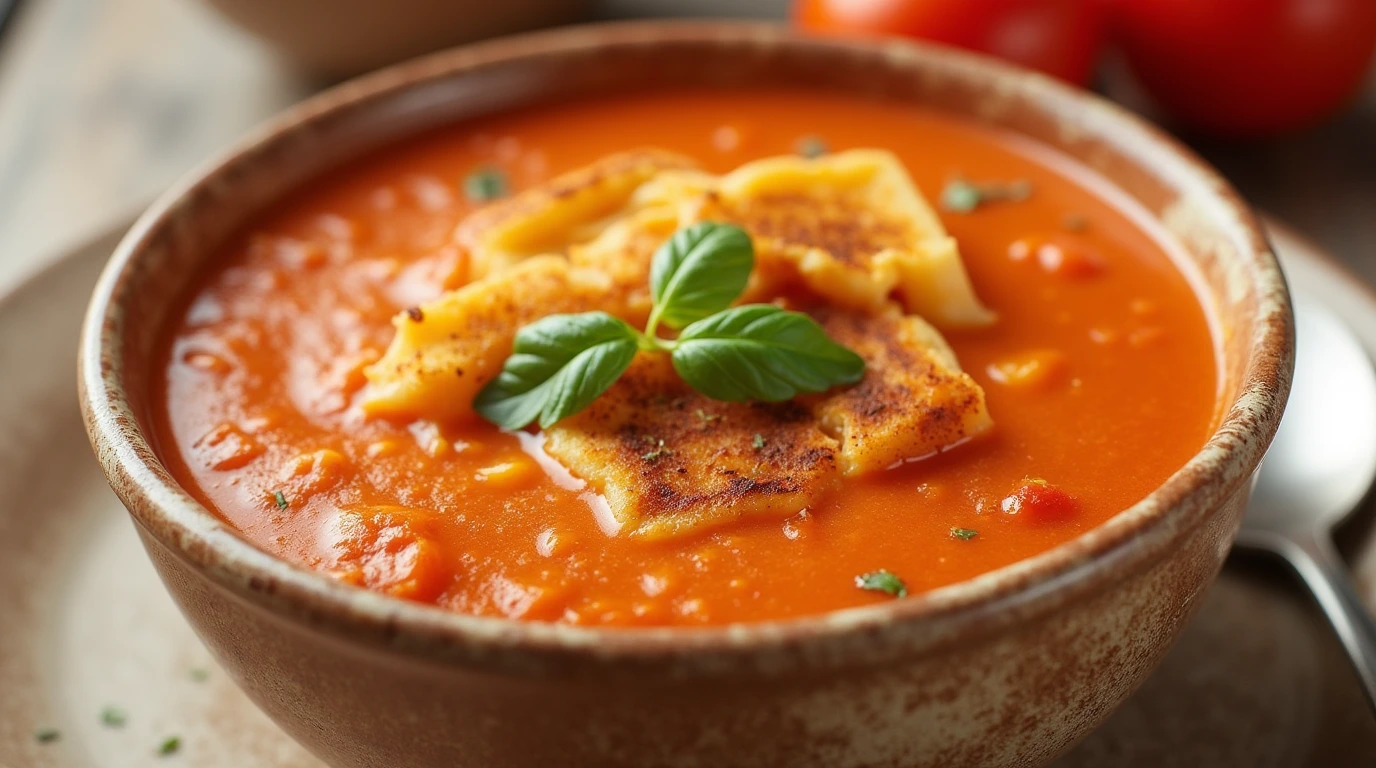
x=1127 y=542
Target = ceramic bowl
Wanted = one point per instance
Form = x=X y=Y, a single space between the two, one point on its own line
x=338 y=38
x=1010 y=668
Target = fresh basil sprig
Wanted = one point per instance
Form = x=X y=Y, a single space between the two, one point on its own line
x=761 y=352
x=561 y=363
x=697 y=273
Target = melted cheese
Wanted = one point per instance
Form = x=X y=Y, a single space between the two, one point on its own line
x=854 y=228
x=448 y=349
x=567 y=209
x=623 y=252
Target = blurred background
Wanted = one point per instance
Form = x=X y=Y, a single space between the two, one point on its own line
x=103 y=103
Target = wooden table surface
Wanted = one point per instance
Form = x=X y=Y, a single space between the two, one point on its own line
x=104 y=103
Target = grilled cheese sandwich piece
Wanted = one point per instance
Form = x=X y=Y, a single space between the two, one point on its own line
x=679 y=190
x=853 y=228
x=448 y=349
x=670 y=461
x=914 y=400
x=623 y=252
x=570 y=208
x=849 y=228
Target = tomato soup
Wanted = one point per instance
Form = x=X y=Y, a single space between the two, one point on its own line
x=1100 y=375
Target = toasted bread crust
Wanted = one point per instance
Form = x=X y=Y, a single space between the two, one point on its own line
x=670 y=460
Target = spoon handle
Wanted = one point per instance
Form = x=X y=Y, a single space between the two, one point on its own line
x=1316 y=561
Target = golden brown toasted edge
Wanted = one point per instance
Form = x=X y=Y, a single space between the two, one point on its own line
x=669 y=460
x=851 y=226
x=445 y=351
x=914 y=400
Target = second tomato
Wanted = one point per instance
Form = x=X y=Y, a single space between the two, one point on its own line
x=1059 y=37
x=1248 y=67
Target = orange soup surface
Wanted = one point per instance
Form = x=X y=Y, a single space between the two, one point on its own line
x=1100 y=375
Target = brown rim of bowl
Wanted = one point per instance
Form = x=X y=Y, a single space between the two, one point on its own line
x=1025 y=590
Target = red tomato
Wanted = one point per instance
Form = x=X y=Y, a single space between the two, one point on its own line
x=1247 y=67
x=1037 y=501
x=1059 y=255
x=1059 y=37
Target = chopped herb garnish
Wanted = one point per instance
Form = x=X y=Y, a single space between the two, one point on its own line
x=561 y=363
x=281 y=499
x=758 y=442
x=882 y=581
x=962 y=196
x=705 y=416
x=47 y=735
x=812 y=146
x=485 y=184
x=1075 y=222
x=112 y=717
x=200 y=675
x=964 y=534
x=169 y=746
x=658 y=453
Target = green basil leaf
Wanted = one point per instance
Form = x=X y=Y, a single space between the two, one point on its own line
x=559 y=365
x=761 y=352
x=960 y=197
x=484 y=184
x=698 y=272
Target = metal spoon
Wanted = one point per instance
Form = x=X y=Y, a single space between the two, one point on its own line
x=1319 y=468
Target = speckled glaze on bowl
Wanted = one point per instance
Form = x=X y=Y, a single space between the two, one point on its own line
x=1009 y=668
